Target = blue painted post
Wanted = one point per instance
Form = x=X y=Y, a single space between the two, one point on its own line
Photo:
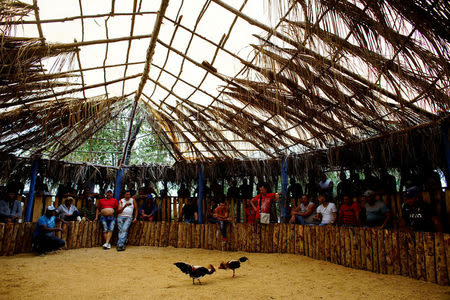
x=118 y=184
x=445 y=129
x=284 y=184
x=200 y=194
x=31 y=191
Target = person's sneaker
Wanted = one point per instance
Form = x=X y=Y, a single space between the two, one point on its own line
x=105 y=246
x=108 y=246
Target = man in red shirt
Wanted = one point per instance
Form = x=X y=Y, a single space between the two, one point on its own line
x=107 y=207
x=262 y=203
x=349 y=212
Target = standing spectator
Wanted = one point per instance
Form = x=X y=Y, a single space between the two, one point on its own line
x=294 y=190
x=326 y=212
x=183 y=192
x=221 y=215
x=326 y=186
x=246 y=190
x=387 y=183
x=10 y=208
x=370 y=182
x=233 y=190
x=344 y=186
x=312 y=188
x=67 y=211
x=148 y=210
x=262 y=203
x=349 y=212
x=357 y=188
x=189 y=212
x=127 y=213
x=418 y=215
x=88 y=212
x=164 y=193
x=43 y=238
x=107 y=206
x=304 y=213
x=376 y=212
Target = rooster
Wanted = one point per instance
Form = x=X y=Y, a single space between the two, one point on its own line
x=195 y=272
x=232 y=264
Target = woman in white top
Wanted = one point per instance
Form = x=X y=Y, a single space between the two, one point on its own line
x=326 y=212
x=127 y=214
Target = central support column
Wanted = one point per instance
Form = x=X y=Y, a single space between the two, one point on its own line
x=200 y=194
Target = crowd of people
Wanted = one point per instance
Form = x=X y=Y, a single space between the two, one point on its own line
x=356 y=203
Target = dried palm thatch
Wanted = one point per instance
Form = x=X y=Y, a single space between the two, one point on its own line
x=328 y=76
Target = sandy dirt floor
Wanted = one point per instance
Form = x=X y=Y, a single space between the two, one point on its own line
x=149 y=273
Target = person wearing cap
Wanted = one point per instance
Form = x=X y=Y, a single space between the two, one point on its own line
x=377 y=214
x=262 y=203
x=44 y=239
x=10 y=208
x=67 y=211
x=416 y=214
x=148 y=210
x=127 y=213
x=107 y=207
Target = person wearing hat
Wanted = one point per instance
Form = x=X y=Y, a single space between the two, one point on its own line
x=416 y=214
x=44 y=239
x=148 y=209
x=107 y=207
x=67 y=211
x=10 y=208
x=377 y=214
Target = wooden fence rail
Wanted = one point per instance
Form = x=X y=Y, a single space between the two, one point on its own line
x=419 y=255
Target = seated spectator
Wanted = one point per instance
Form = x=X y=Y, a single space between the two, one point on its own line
x=376 y=212
x=10 y=208
x=210 y=212
x=326 y=212
x=418 y=215
x=349 y=212
x=148 y=210
x=221 y=214
x=304 y=213
x=189 y=212
x=67 y=211
x=88 y=212
x=44 y=239
x=250 y=212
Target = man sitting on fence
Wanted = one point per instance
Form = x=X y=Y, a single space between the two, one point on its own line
x=376 y=212
x=10 y=208
x=148 y=210
x=67 y=211
x=189 y=212
x=418 y=215
x=107 y=206
x=88 y=211
x=44 y=239
x=304 y=213
x=221 y=214
x=326 y=212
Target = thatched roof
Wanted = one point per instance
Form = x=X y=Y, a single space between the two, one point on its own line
x=222 y=82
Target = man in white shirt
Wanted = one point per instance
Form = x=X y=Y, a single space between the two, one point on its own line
x=326 y=211
x=127 y=214
x=67 y=211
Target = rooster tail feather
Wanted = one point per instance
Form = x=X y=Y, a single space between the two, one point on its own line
x=243 y=258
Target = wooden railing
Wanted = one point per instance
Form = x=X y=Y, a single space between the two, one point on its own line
x=419 y=255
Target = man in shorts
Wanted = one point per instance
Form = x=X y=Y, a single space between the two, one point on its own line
x=108 y=208
x=262 y=203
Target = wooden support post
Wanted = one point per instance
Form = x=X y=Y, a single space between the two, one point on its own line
x=403 y=253
x=375 y=267
x=441 y=261
x=428 y=239
x=420 y=257
x=396 y=253
x=284 y=184
x=388 y=250
x=29 y=207
x=118 y=184
x=200 y=194
x=369 y=253
x=381 y=251
x=411 y=249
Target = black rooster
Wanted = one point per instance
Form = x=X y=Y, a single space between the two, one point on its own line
x=232 y=264
x=195 y=272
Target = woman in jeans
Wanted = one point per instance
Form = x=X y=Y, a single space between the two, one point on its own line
x=127 y=214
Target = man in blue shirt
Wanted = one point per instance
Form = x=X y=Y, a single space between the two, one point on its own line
x=43 y=237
